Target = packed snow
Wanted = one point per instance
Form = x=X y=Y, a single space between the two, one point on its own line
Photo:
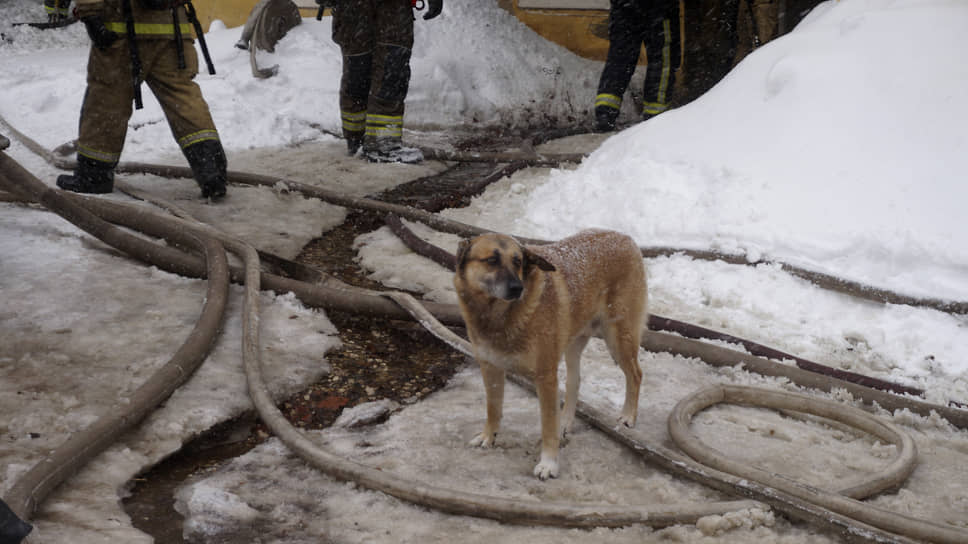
x=837 y=147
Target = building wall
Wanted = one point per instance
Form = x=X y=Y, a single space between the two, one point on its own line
x=574 y=29
x=234 y=12
x=581 y=26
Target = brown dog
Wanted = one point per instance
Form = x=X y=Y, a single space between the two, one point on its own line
x=526 y=306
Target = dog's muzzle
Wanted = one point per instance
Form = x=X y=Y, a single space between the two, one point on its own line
x=513 y=289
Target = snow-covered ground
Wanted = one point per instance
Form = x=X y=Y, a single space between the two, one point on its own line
x=839 y=147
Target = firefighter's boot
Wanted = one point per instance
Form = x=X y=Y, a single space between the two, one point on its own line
x=91 y=177
x=605 y=117
x=390 y=150
x=353 y=143
x=209 y=165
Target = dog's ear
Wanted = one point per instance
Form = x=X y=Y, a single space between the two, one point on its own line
x=533 y=259
x=462 y=248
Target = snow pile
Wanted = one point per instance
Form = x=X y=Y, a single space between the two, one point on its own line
x=838 y=147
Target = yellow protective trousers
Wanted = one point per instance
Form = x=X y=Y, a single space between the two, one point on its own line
x=108 y=100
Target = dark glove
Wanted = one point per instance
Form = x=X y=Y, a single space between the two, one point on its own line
x=434 y=8
x=101 y=37
x=161 y=5
x=323 y=4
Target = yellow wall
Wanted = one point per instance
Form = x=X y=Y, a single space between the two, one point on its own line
x=231 y=12
x=571 y=29
x=582 y=32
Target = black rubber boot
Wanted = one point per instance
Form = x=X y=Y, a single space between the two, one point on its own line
x=605 y=118
x=208 y=162
x=12 y=528
x=353 y=143
x=91 y=177
x=390 y=150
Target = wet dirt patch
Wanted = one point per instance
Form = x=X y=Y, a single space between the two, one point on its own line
x=379 y=359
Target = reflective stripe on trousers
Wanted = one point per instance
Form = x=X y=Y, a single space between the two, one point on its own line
x=384 y=126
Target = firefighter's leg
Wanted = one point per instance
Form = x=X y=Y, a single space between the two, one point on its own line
x=353 y=31
x=663 y=52
x=384 y=119
x=765 y=13
x=353 y=92
x=721 y=38
x=104 y=120
x=383 y=141
x=187 y=112
x=625 y=34
x=57 y=10
x=756 y=24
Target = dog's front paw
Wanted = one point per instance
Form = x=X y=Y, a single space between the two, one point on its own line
x=484 y=439
x=547 y=468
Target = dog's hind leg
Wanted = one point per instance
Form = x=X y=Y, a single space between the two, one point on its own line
x=623 y=344
x=573 y=381
x=494 y=393
x=626 y=314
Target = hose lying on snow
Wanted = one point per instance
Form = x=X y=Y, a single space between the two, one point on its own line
x=841 y=509
x=335 y=297
x=430 y=496
x=476 y=506
x=448 y=260
x=843 y=502
x=340 y=300
x=826 y=281
x=31 y=488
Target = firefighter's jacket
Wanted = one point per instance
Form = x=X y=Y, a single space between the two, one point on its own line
x=148 y=23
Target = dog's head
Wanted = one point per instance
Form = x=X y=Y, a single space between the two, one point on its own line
x=497 y=265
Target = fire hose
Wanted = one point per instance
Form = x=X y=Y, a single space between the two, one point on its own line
x=156 y=225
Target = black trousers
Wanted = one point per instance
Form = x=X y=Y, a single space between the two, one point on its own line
x=632 y=23
x=375 y=37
